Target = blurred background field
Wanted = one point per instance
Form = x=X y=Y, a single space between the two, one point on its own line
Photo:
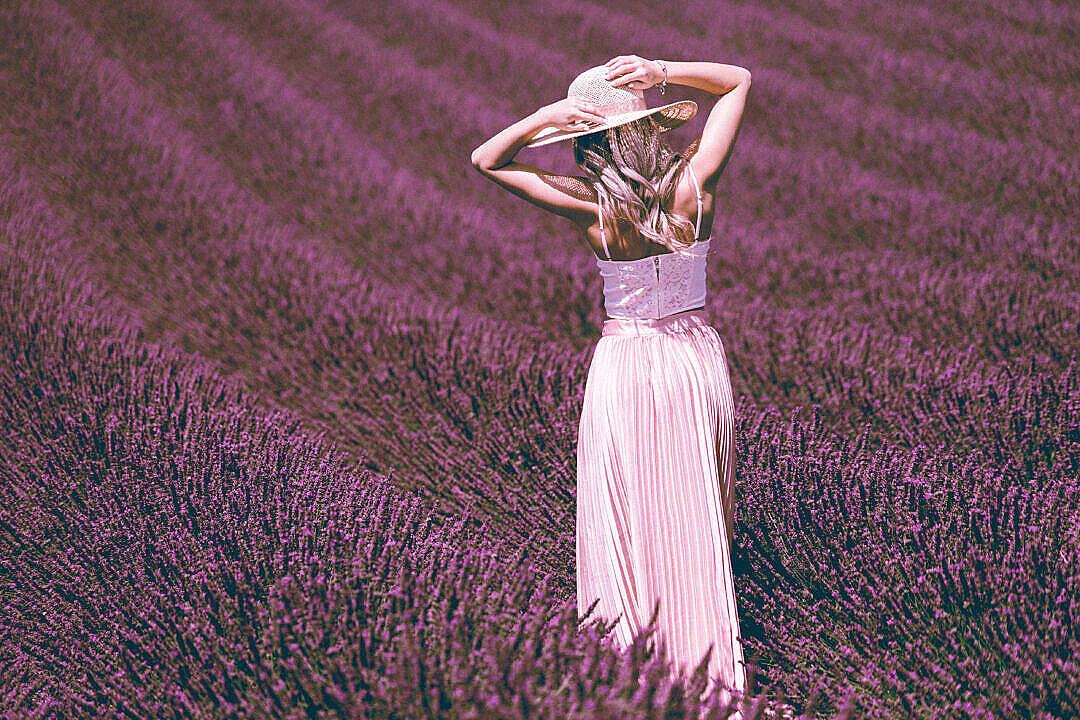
x=290 y=392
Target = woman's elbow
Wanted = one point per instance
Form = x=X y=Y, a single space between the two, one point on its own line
x=477 y=160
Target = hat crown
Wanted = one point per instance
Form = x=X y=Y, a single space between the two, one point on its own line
x=592 y=85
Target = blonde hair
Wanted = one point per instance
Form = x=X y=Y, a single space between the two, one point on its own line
x=633 y=172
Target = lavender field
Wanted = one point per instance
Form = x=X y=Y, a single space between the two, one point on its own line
x=290 y=393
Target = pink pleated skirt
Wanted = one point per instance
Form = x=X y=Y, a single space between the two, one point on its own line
x=656 y=491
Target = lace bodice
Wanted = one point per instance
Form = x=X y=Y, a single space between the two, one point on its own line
x=656 y=286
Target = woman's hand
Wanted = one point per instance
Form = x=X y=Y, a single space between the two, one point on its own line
x=636 y=72
x=572 y=114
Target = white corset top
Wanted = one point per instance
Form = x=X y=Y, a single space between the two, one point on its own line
x=658 y=285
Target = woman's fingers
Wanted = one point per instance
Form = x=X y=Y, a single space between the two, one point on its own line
x=615 y=68
x=628 y=78
x=625 y=70
x=592 y=119
x=590 y=110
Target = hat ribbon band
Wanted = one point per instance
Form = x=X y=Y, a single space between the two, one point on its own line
x=624 y=106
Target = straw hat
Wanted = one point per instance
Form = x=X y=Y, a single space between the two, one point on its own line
x=619 y=105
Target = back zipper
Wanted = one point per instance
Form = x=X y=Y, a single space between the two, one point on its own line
x=656 y=264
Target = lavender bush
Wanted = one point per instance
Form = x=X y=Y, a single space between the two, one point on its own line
x=169 y=549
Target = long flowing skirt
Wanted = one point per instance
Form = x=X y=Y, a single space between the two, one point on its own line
x=656 y=491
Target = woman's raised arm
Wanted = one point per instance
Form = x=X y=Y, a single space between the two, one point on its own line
x=732 y=83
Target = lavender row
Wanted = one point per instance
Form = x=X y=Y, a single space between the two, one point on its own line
x=804 y=93
x=859 y=194
x=279 y=358
x=883 y=145
x=970 y=220
x=1005 y=37
x=890 y=209
x=958 y=582
x=172 y=546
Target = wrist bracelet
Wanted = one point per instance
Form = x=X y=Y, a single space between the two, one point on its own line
x=663 y=67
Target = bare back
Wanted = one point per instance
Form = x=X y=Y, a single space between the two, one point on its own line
x=624 y=243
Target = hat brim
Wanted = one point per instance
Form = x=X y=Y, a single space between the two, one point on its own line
x=668 y=117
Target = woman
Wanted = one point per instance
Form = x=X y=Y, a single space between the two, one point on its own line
x=656 y=444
